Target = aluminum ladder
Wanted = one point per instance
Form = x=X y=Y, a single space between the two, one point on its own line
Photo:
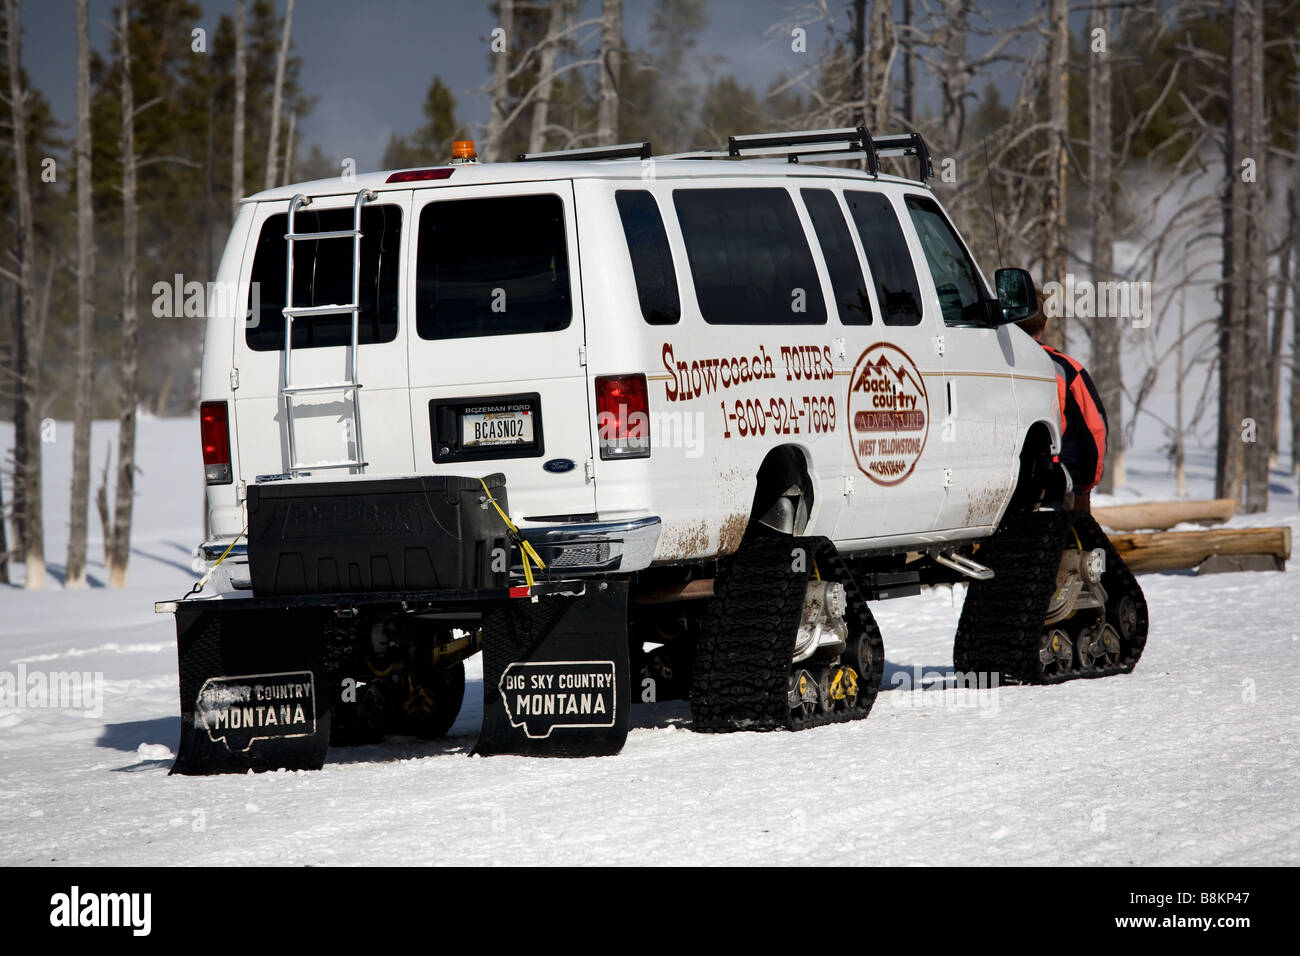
x=291 y=312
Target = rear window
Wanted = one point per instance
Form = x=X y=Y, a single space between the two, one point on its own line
x=832 y=231
x=888 y=256
x=322 y=275
x=749 y=258
x=495 y=266
x=652 y=261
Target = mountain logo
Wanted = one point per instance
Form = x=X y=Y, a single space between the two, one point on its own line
x=889 y=414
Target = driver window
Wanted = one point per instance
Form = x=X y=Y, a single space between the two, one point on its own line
x=956 y=280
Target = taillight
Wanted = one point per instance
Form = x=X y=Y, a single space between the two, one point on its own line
x=419 y=175
x=214 y=427
x=623 y=416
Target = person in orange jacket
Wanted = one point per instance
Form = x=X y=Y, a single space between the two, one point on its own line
x=1083 y=417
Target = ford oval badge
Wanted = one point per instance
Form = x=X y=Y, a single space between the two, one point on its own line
x=558 y=466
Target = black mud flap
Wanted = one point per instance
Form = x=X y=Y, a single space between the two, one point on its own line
x=556 y=677
x=253 y=688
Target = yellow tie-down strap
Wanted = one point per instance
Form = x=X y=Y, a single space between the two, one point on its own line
x=525 y=547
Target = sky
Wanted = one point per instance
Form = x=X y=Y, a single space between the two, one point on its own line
x=370 y=63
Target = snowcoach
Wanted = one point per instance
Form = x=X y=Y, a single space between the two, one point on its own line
x=635 y=427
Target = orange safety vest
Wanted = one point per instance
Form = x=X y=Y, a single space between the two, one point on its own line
x=1083 y=421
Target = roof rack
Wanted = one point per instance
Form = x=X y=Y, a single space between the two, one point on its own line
x=906 y=144
x=850 y=142
x=621 y=151
x=824 y=145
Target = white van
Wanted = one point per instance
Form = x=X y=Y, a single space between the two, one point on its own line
x=666 y=358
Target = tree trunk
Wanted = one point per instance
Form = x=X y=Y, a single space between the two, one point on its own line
x=880 y=62
x=1295 y=311
x=1054 y=208
x=545 y=78
x=909 y=66
x=1230 y=454
x=237 y=139
x=1106 y=330
x=1278 y=332
x=1259 y=403
x=500 y=86
x=611 y=62
x=33 y=527
x=288 y=147
x=76 y=575
x=952 y=85
x=277 y=100
x=119 y=550
x=858 y=68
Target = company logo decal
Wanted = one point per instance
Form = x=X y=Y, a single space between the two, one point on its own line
x=889 y=414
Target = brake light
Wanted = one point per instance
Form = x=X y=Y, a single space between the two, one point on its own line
x=623 y=416
x=419 y=175
x=214 y=427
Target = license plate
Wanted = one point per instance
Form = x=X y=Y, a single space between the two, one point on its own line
x=497 y=429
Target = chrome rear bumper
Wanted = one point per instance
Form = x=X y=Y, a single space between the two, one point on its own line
x=596 y=547
x=233 y=574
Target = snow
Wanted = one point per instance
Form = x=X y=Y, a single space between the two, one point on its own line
x=1192 y=759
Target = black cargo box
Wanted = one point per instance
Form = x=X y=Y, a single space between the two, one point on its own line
x=385 y=534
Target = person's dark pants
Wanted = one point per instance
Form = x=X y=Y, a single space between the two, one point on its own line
x=1083 y=501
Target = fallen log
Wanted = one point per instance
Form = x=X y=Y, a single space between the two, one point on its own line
x=1163 y=515
x=1220 y=549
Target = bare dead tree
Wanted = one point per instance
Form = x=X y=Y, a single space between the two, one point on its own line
x=611 y=59
x=237 y=136
x=546 y=78
x=1277 y=331
x=1254 y=300
x=1055 y=257
x=500 y=85
x=277 y=99
x=908 y=111
x=119 y=549
x=288 y=147
x=76 y=573
x=27 y=338
x=1295 y=277
x=1105 y=364
x=880 y=65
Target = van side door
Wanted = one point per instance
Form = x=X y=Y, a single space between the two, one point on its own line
x=894 y=455
x=980 y=426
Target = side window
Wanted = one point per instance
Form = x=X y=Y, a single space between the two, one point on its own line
x=749 y=257
x=497 y=266
x=957 y=281
x=888 y=256
x=322 y=275
x=841 y=259
x=652 y=260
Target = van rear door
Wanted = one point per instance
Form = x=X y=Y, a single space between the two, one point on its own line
x=497 y=361
x=323 y=420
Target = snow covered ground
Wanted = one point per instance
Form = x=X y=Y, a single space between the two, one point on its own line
x=1192 y=759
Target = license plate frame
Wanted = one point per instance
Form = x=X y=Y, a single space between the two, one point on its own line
x=451 y=419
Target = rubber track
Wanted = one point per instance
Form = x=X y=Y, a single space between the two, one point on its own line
x=746 y=645
x=1002 y=620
